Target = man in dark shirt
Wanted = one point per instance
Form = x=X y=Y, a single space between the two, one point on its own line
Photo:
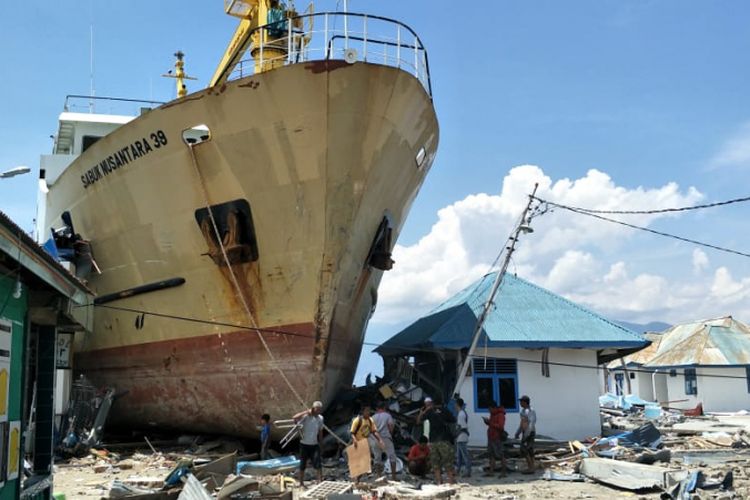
x=442 y=453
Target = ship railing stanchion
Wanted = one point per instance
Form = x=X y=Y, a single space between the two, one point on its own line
x=416 y=58
x=289 y=57
x=364 y=45
x=325 y=37
x=398 y=46
x=262 y=41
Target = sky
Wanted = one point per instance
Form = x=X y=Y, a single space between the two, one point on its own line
x=615 y=104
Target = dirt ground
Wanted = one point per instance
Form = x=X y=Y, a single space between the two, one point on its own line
x=91 y=478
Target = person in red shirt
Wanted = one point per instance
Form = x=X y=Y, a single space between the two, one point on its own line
x=419 y=458
x=496 y=435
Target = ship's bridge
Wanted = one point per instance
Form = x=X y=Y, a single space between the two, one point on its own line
x=347 y=36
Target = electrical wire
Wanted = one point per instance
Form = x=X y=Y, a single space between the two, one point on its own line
x=649 y=212
x=652 y=231
x=396 y=347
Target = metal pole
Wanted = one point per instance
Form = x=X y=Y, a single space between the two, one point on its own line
x=398 y=46
x=416 y=59
x=364 y=45
x=493 y=291
x=289 y=57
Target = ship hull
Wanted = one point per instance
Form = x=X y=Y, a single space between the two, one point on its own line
x=322 y=153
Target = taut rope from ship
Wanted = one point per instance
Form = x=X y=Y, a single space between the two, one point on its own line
x=238 y=290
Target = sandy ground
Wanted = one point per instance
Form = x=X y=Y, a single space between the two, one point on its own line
x=78 y=479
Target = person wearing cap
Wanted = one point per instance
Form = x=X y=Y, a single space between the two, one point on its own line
x=527 y=432
x=442 y=453
x=311 y=422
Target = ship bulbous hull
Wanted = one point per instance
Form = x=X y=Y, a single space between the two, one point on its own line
x=313 y=160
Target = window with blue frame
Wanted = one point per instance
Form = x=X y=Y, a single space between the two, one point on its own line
x=496 y=380
x=691 y=382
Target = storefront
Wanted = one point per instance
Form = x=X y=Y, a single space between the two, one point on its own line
x=40 y=304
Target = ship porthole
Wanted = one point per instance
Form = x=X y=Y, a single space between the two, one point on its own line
x=196 y=134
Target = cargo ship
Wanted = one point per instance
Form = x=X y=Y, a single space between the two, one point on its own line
x=235 y=237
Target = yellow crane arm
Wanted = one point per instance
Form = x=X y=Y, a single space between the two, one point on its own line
x=252 y=13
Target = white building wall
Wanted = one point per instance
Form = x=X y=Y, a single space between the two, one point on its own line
x=726 y=393
x=566 y=402
x=641 y=384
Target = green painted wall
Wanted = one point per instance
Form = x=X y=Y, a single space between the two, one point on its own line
x=14 y=310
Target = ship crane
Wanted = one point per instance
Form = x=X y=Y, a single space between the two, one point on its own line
x=253 y=13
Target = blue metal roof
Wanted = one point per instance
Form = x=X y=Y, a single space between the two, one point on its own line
x=524 y=315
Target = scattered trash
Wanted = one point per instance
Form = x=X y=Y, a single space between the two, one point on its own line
x=326 y=488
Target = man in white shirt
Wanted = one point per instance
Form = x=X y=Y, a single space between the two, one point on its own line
x=385 y=425
x=463 y=459
x=527 y=429
x=312 y=433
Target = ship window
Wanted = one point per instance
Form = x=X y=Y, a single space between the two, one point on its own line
x=88 y=141
x=197 y=134
x=234 y=221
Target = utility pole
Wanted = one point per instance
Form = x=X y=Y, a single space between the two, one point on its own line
x=521 y=227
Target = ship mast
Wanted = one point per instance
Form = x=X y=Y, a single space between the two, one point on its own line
x=179 y=74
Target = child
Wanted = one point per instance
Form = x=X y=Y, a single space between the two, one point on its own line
x=265 y=435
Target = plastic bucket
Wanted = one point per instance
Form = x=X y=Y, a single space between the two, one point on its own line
x=652 y=412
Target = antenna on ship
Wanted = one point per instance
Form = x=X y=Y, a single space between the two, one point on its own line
x=91 y=60
x=179 y=74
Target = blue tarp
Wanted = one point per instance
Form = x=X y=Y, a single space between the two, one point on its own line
x=271 y=466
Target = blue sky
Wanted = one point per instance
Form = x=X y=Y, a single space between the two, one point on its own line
x=648 y=93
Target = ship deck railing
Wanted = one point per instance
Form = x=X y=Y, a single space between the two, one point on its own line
x=345 y=36
x=107 y=105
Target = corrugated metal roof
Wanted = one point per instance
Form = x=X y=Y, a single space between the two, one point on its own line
x=524 y=315
x=642 y=356
x=713 y=342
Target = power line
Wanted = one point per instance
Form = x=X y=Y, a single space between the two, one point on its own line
x=653 y=211
x=396 y=347
x=652 y=231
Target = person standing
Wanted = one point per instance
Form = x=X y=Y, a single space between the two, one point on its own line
x=364 y=428
x=442 y=454
x=385 y=425
x=496 y=436
x=312 y=433
x=463 y=459
x=265 y=435
x=527 y=431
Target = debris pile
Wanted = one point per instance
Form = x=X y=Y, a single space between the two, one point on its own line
x=679 y=453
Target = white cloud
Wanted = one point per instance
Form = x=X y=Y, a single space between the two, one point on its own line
x=735 y=152
x=576 y=256
x=700 y=261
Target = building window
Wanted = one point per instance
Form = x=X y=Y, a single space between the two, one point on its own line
x=495 y=380
x=88 y=141
x=691 y=382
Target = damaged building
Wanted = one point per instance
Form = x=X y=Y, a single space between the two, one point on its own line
x=706 y=362
x=40 y=310
x=533 y=342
